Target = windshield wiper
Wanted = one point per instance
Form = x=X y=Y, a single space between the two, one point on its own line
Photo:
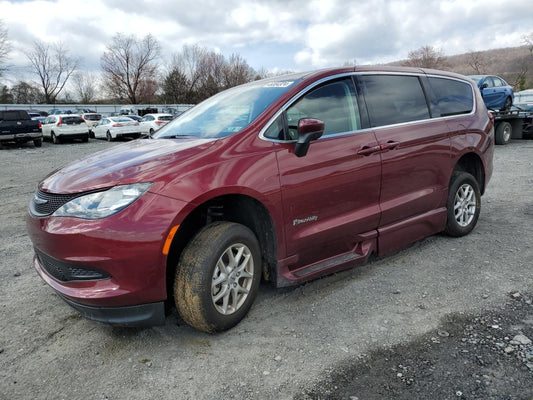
x=179 y=137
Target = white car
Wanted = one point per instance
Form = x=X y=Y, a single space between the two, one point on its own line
x=91 y=119
x=65 y=126
x=152 y=122
x=111 y=128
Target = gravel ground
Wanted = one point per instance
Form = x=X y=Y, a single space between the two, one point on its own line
x=418 y=324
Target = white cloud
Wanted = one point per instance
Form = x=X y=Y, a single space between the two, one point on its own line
x=284 y=34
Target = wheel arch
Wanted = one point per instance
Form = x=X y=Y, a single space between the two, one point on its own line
x=472 y=163
x=239 y=208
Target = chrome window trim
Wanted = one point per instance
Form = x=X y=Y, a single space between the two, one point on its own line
x=350 y=74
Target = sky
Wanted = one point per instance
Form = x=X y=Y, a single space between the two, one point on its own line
x=277 y=35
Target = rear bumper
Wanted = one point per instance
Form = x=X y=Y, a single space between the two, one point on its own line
x=142 y=315
x=21 y=137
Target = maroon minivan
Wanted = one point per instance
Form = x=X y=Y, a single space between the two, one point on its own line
x=284 y=179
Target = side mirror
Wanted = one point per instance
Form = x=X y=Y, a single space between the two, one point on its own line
x=484 y=86
x=309 y=129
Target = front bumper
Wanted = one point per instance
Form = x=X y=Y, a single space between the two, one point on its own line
x=142 y=315
x=125 y=247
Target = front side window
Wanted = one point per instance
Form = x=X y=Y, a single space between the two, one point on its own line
x=451 y=97
x=488 y=82
x=393 y=99
x=334 y=103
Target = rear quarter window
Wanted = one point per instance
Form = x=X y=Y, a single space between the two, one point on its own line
x=452 y=97
x=393 y=99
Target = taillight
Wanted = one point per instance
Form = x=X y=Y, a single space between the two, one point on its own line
x=116 y=125
x=136 y=123
x=59 y=122
x=40 y=125
x=160 y=122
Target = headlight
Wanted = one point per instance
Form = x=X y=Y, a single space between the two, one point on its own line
x=102 y=204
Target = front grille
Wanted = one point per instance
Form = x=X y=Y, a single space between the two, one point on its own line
x=44 y=203
x=66 y=272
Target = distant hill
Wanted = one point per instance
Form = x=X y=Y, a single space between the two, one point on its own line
x=510 y=63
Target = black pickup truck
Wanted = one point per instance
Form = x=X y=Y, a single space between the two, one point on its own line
x=17 y=126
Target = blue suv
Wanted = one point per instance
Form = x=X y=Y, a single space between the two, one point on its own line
x=497 y=94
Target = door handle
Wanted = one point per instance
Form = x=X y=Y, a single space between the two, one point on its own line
x=367 y=150
x=389 y=145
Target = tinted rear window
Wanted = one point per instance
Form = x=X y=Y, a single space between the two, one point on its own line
x=94 y=117
x=166 y=118
x=72 y=120
x=14 y=115
x=451 y=97
x=393 y=99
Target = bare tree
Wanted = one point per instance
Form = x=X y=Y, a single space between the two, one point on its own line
x=85 y=86
x=5 y=47
x=197 y=73
x=26 y=93
x=476 y=61
x=53 y=66
x=426 y=57
x=528 y=40
x=129 y=66
x=237 y=71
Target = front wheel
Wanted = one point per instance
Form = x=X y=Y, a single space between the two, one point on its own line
x=218 y=277
x=463 y=205
x=508 y=103
x=109 y=137
x=55 y=139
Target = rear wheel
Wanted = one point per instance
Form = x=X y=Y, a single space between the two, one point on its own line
x=463 y=205
x=109 y=137
x=38 y=142
x=218 y=276
x=503 y=133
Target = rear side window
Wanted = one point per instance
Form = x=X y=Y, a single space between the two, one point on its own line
x=393 y=99
x=451 y=97
x=166 y=118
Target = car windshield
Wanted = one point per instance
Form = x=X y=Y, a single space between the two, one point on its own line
x=227 y=112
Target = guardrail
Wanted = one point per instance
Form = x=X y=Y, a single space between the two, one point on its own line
x=99 y=108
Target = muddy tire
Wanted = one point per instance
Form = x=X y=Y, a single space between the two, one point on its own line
x=463 y=205
x=218 y=276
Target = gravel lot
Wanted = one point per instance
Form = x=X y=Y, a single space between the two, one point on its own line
x=396 y=328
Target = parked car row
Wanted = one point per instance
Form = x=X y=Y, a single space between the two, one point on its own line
x=70 y=126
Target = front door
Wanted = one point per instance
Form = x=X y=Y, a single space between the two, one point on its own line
x=331 y=195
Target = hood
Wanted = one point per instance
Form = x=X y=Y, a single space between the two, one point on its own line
x=136 y=161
